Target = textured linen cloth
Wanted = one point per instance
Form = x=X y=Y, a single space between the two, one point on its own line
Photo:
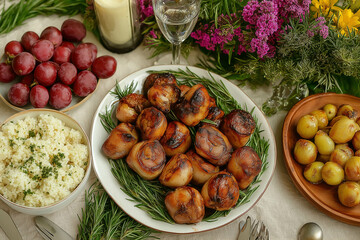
x=282 y=208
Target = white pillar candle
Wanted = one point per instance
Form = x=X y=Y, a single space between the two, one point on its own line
x=114 y=19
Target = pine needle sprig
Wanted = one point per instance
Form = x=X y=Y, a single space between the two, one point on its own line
x=16 y=14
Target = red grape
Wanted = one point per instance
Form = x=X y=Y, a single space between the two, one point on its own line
x=43 y=50
x=85 y=83
x=82 y=56
x=53 y=35
x=56 y=65
x=61 y=55
x=67 y=73
x=93 y=50
x=39 y=96
x=73 y=30
x=45 y=73
x=23 y=63
x=28 y=79
x=69 y=45
x=13 y=48
x=19 y=94
x=28 y=39
x=60 y=96
x=104 y=66
x=6 y=73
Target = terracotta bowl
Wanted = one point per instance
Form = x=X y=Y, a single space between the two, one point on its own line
x=323 y=196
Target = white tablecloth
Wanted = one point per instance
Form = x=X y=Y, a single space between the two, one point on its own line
x=282 y=208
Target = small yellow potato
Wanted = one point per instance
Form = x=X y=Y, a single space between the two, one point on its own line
x=305 y=151
x=307 y=126
x=356 y=140
x=332 y=173
x=325 y=145
x=330 y=110
x=347 y=110
x=343 y=130
x=349 y=194
x=357 y=153
x=321 y=117
x=358 y=121
x=312 y=172
x=352 y=169
x=339 y=156
x=337 y=118
x=346 y=148
x=323 y=158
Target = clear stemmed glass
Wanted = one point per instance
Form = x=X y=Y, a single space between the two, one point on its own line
x=176 y=19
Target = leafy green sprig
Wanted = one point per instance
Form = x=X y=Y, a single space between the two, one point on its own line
x=103 y=219
x=150 y=194
x=19 y=12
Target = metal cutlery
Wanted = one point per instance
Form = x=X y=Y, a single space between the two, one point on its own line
x=49 y=230
x=253 y=231
x=9 y=227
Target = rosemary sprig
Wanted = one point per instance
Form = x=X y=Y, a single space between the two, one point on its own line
x=149 y=195
x=19 y=12
x=103 y=219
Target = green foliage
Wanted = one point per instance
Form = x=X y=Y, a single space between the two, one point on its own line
x=19 y=12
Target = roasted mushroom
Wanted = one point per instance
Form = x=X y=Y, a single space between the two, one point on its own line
x=120 y=141
x=152 y=124
x=185 y=205
x=177 y=172
x=202 y=170
x=245 y=165
x=163 y=96
x=212 y=145
x=221 y=191
x=147 y=158
x=130 y=107
x=159 y=78
x=194 y=106
x=183 y=89
x=176 y=139
x=238 y=126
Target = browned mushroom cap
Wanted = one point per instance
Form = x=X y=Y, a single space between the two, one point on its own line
x=130 y=107
x=120 y=141
x=212 y=145
x=163 y=96
x=152 y=124
x=238 y=126
x=220 y=192
x=176 y=139
x=194 y=106
x=185 y=205
x=183 y=89
x=159 y=78
x=245 y=165
x=147 y=159
x=202 y=170
x=177 y=172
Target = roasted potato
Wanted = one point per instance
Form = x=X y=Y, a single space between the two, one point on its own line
x=307 y=126
x=147 y=158
x=245 y=165
x=152 y=124
x=176 y=139
x=321 y=117
x=130 y=106
x=203 y=170
x=352 y=169
x=305 y=151
x=330 y=110
x=185 y=205
x=343 y=130
x=349 y=194
x=221 y=191
x=332 y=173
x=312 y=172
x=177 y=172
x=158 y=78
x=120 y=141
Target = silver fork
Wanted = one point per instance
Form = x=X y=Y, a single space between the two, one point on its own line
x=259 y=232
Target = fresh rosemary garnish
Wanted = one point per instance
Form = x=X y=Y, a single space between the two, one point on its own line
x=103 y=219
x=19 y=12
x=149 y=195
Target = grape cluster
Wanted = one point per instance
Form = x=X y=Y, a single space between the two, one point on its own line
x=51 y=66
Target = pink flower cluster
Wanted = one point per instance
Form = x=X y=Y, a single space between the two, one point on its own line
x=145 y=8
x=257 y=31
x=319 y=28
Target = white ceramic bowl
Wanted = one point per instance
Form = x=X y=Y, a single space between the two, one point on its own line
x=69 y=122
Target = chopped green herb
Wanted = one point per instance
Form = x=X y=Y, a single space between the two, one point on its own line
x=11 y=142
x=27 y=192
x=32 y=147
x=36 y=177
x=46 y=172
x=56 y=159
x=32 y=133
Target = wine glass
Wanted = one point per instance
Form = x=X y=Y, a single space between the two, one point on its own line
x=176 y=20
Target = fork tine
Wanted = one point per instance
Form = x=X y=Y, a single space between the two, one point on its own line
x=267 y=235
x=254 y=232
x=262 y=231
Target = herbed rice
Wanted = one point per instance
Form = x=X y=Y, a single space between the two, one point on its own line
x=41 y=160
